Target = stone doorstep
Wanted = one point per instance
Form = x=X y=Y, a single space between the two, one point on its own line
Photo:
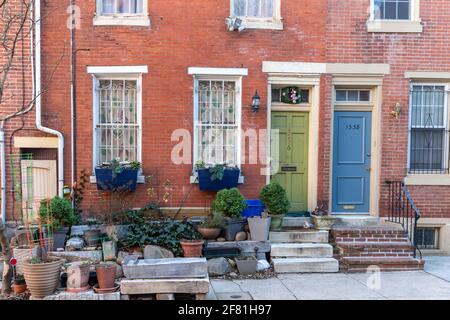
x=88 y=295
x=299 y=237
x=306 y=265
x=302 y=250
x=244 y=246
x=166 y=268
x=162 y=286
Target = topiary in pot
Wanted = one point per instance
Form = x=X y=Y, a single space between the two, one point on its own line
x=231 y=203
x=275 y=198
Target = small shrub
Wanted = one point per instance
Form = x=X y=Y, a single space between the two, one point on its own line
x=215 y=220
x=229 y=202
x=275 y=199
x=58 y=212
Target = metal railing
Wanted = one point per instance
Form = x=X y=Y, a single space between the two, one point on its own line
x=403 y=211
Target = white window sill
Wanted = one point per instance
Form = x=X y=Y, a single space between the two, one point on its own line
x=193 y=180
x=274 y=24
x=140 y=179
x=390 y=26
x=120 y=20
x=427 y=180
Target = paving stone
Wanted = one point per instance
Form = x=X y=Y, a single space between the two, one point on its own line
x=299 y=237
x=305 y=265
x=166 y=268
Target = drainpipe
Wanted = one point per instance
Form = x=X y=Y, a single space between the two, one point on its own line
x=37 y=14
x=3 y=173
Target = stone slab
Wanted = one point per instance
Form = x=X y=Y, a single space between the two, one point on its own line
x=302 y=250
x=295 y=222
x=93 y=255
x=152 y=286
x=299 y=237
x=305 y=265
x=166 y=268
x=244 y=246
x=88 y=295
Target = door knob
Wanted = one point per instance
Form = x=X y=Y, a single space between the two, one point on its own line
x=368 y=155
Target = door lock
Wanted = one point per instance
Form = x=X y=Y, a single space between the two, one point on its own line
x=368 y=155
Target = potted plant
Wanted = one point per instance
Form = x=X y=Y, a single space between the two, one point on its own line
x=78 y=277
x=192 y=248
x=247 y=265
x=217 y=177
x=58 y=215
x=42 y=275
x=19 y=285
x=277 y=202
x=231 y=203
x=117 y=176
x=106 y=276
x=259 y=227
x=321 y=218
x=92 y=235
x=211 y=228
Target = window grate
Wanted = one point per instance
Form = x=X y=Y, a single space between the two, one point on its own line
x=429 y=134
x=427 y=238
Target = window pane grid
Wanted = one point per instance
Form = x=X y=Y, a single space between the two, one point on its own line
x=392 y=9
x=217 y=124
x=254 y=8
x=108 y=7
x=429 y=135
x=117 y=128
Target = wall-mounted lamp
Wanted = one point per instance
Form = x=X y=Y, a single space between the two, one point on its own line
x=396 y=111
x=256 y=102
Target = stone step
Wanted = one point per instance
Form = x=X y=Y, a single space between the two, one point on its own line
x=295 y=222
x=302 y=250
x=361 y=264
x=299 y=237
x=305 y=265
x=349 y=249
x=166 y=268
x=163 y=286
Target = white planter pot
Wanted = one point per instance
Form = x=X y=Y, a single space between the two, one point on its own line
x=259 y=228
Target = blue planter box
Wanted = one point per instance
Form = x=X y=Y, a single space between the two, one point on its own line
x=230 y=179
x=255 y=208
x=124 y=181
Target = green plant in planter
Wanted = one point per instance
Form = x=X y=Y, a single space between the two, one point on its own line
x=58 y=212
x=215 y=220
x=229 y=202
x=275 y=198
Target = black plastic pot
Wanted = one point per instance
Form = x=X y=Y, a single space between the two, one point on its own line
x=230 y=179
x=123 y=181
x=233 y=227
x=59 y=239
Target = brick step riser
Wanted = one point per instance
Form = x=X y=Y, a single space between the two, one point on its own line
x=389 y=269
x=377 y=239
x=377 y=254
x=374 y=251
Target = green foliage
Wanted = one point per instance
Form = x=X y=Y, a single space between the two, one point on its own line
x=275 y=198
x=217 y=172
x=58 y=212
x=229 y=202
x=117 y=167
x=166 y=233
x=215 y=220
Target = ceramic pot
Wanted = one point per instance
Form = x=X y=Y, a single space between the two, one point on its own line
x=106 y=275
x=78 y=277
x=246 y=267
x=192 y=248
x=19 y=287
x=277 y=222
x=92 y=237
x=209 y=233
x=323 y=222
x=259 y=228
x=42 y=278
x=233 y=227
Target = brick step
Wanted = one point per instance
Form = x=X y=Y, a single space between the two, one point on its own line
x=299 y=237
x=305 y=265
x=367 y=232
x=301 y=250
x=351 y=249
x=361 y=264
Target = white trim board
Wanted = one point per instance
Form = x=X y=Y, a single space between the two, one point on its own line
x=117 y=69
x=321 y=68
x=427 y=75
x=218 y=71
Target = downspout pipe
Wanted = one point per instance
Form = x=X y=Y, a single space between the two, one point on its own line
x=3 y=172
x=38 y=101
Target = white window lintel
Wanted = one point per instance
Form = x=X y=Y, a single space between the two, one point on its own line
x=218 y=71
x=117 y=69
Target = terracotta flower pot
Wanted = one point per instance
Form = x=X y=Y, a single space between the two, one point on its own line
x=209 y=233
x=192 y=248
x=78 y=277
x=42 y=278
x=106 y=275
x=19 y=288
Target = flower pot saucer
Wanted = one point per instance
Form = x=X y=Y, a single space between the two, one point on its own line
x=106 y=290
x=77 y=290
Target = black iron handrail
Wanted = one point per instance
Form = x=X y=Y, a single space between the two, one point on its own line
x=403 y=211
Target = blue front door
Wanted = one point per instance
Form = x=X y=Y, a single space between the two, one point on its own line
x=351 y=162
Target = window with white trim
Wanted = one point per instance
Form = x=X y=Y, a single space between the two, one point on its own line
x=116 y=120
x=429 y=133
x=109 y=7
x=217 y=121
x=258 y=14
x=392 y=9
x=122 y=12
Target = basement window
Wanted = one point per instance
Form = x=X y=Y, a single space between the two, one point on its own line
x=428 y=238
x=122 y=12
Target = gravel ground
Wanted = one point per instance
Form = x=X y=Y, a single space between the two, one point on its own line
x=266 y=274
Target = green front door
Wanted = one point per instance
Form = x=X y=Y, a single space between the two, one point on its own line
x=292 y=172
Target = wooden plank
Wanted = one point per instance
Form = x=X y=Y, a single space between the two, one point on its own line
x=166 y=268
x=159 y=286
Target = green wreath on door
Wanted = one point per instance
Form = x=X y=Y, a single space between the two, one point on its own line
x=291 y=95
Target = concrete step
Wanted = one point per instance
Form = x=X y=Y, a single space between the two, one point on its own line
x=295 y=222
x=305 y=265
x=301 y=250
x=166 y=268
x=299 y=237
x=361 y=264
